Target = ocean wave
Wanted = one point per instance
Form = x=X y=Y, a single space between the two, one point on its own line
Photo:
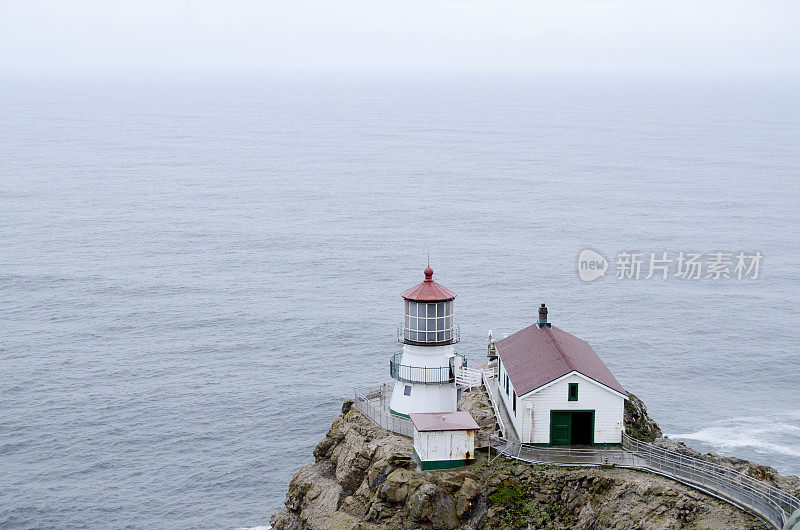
x=756 y=433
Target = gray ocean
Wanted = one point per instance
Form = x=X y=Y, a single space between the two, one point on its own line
x=195 y=271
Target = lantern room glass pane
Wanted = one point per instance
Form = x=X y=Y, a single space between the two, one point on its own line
x=428 y=322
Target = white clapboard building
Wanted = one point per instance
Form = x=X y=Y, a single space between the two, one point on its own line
x=556 y=389
x=443 y=440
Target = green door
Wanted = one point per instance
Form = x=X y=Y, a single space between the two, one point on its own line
x=560 y=428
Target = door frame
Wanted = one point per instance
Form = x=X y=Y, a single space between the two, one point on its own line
x=593 y=411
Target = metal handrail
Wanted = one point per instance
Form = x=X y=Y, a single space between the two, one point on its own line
x=566 y=456
x=769 y=502
x=420 y=374
x=711 y=467
x=374 y=403
x=455 y=336
x=493 y=400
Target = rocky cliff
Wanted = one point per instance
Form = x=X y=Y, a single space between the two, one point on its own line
x=363 y=478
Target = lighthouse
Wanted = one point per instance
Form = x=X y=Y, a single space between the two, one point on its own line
x=424 y=372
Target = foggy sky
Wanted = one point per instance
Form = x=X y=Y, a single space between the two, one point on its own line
x=558 y=35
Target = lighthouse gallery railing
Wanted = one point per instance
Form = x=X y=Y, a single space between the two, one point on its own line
x=419 y=374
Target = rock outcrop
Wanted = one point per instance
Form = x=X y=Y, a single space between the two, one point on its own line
x=363 y=478
x=637 y=423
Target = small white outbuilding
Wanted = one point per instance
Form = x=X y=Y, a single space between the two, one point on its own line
x=443 y=440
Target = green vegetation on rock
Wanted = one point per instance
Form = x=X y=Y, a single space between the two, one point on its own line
x=522 y=506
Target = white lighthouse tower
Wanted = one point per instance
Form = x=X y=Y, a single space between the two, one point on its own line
x=425 y=370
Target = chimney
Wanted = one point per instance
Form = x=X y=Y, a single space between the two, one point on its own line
x=543 y=316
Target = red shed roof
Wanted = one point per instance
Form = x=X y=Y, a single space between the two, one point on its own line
x=429 y=290
x=536 y=356
x=443 y=421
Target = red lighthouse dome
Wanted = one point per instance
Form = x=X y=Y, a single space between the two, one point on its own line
x=429 y=290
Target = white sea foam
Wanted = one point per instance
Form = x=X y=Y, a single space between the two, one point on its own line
x=757 y=433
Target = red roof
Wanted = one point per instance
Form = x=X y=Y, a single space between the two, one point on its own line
x=443 y=421
x=536 y=356
x=429 y=290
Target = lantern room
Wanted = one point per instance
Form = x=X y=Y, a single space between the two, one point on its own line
x=428 y=313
